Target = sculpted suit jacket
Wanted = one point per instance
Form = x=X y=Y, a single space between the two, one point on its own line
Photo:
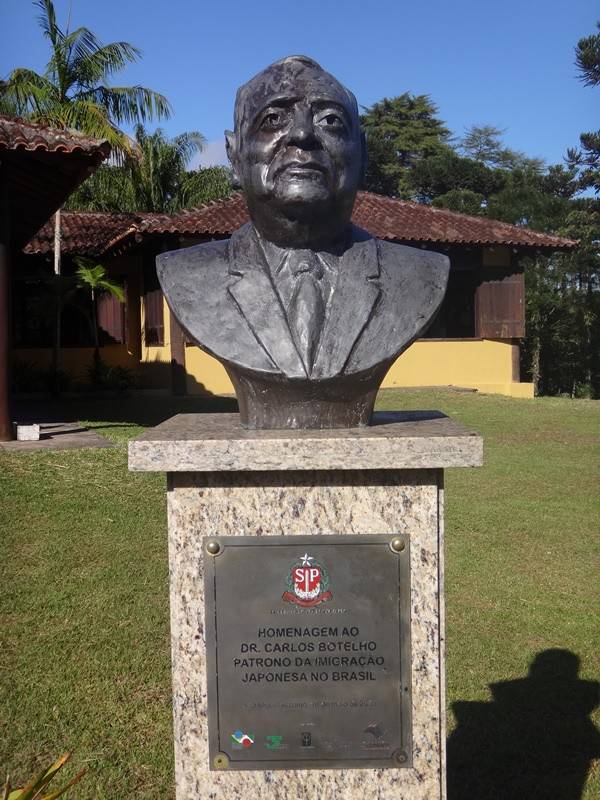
x=222 y=293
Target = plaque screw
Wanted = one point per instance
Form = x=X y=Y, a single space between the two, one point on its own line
x=221 y=761
x=397 y=544
x=400 y=757
x=214 y=548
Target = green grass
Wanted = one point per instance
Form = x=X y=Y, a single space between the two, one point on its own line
x=85 y=634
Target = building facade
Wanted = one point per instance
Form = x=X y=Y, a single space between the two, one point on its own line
x=474 y=342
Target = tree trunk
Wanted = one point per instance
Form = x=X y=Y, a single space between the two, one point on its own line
x=58 y=304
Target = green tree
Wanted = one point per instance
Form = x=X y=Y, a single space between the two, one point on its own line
x=202 y=185
x=401 y=131
x=156 y=175
x=586 y=158
x=155 y=180
x=587 y=58
x=562 y=348
x=450 y=180
x=483 y=143
x=73 y=91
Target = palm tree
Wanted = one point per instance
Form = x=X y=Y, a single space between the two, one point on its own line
x=157 y=180
x=92 y=276
x=156 y=176
x=73 y=92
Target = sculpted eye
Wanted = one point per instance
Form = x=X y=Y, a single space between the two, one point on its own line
x=272 y=120
x=331 y=121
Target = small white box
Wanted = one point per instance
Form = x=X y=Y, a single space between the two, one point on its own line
x=28 y=433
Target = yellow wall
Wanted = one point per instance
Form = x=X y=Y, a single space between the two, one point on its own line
x=154 y=367
x=161 y=352
x=482 y=364
x=205 y=374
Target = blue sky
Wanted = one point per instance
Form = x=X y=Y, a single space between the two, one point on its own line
x=508 y=64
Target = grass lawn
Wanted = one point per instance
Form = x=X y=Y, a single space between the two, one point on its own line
x=85 y=638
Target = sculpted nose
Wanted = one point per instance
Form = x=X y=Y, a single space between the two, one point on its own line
x=302 y=133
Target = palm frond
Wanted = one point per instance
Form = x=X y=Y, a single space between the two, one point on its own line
x=27 y=92
x=92 y=275
x=106 y=285
x=94 y=65
x=47 y=20
x=129 y=104
x=62 y=62
x=81 y=42
x=188 y=144
x=94 y=120
x=106 y=189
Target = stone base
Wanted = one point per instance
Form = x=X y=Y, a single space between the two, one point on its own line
x=215 y=495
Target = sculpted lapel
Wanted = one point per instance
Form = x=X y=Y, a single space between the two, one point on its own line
x=356 y=293
x=258 y=302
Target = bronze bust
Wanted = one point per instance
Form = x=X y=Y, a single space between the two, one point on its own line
x=305 y=311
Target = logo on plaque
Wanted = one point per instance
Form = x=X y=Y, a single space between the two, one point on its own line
x=307 y=582
x=273 y=742
x=240 y=740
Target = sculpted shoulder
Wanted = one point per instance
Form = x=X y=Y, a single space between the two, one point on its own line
x=413 y=283
x=422 y=265
x=195 y=282
x=180 y=270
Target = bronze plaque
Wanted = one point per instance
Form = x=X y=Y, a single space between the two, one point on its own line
x=308 y=651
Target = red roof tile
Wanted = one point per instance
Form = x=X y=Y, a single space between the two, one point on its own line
x=20 y=134
x=85 y=233
x=384 y=217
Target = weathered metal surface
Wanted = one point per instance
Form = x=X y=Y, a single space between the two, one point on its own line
x=308 y=652
x=305 y=310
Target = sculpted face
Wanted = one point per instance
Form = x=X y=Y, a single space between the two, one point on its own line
x=298 y=151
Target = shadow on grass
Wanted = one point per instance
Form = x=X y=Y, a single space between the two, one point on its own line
x=136 y=409
x=535 y=739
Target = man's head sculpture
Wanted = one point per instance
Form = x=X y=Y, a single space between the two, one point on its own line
x=298 y=153
x=305 y=311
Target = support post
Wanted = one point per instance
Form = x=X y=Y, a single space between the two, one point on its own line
x=6 y=426
x=178 y=373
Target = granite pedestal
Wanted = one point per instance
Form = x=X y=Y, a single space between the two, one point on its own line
x=387 y=478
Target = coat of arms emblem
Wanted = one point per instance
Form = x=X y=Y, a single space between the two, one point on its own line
x=307 y=582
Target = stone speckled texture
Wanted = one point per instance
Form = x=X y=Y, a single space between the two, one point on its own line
x=387 y=478
x=217 y=442
x=301 y=502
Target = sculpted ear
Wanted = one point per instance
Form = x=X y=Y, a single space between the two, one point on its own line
x=232 y=155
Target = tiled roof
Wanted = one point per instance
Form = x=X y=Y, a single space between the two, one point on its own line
x=384 y=217
x=388 y=218
x=41 y=166
x=85 y=233
x=19 y=134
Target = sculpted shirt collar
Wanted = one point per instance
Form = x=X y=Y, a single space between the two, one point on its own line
x=282 y=277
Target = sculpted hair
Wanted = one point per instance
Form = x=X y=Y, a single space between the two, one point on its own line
x=275 y=72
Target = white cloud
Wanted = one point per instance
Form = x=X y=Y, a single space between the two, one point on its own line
x=213 y=154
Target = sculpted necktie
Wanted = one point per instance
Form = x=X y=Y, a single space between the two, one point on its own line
x=306 y=310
